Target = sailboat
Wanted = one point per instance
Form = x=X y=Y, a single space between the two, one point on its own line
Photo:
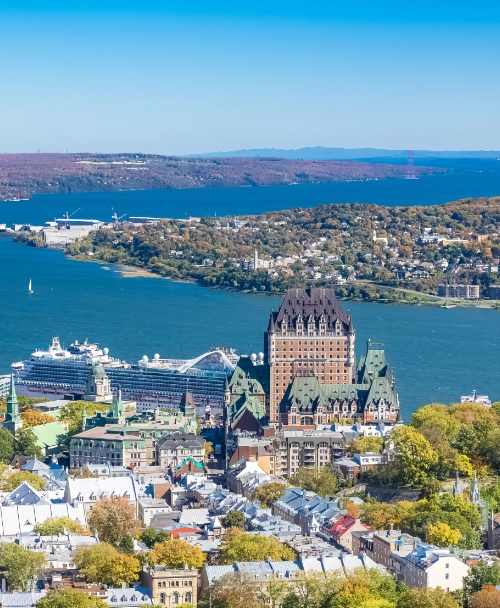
x=29 y=287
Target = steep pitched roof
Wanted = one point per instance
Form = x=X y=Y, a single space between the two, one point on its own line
x=311 y=305
x=242 y=403
x=254 y=379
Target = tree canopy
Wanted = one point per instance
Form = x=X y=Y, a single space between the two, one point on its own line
x=20 y=566
x=69 y=598
x=16 y=479
x=233 y=519
x=174 y=553
x=269 y=493
x=102 y=563
x=240 y=547
x=113 y=519
x=56 y=525
x=325 y=481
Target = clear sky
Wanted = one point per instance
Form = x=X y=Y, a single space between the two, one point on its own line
x=179 y=77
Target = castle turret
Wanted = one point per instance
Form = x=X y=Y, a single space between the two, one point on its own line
x=12 y=418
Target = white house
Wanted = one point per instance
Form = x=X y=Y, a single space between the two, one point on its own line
x=430 y=566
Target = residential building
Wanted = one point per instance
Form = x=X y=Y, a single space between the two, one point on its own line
x=149 y=507
x=494 y=292
x=430 y=566
x=341 y=531
x=379 y=544
x=469 y=292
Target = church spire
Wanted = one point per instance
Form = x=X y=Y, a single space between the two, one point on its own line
x=475 y=496
x=12 y=417
x=457 y=486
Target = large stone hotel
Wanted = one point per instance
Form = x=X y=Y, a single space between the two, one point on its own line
x=309 y=374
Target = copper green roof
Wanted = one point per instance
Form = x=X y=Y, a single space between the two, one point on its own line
x=241 y=403
x=254 y=379
x=50 y=434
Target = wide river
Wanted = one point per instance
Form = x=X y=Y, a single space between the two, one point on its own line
x=437 y=355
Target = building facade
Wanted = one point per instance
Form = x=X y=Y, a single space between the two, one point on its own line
x=171 y=587
x=310 y=336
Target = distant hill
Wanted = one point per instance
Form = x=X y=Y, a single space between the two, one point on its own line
x=321 y=153
x=22 y=175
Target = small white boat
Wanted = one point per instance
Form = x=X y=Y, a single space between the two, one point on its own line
x=30 y=290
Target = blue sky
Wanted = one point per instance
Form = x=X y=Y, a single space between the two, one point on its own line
x=185 y=77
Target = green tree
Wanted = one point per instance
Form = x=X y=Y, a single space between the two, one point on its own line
x=233 y=519
x=366 y=444
x=413 y=455
x=323 y=481
x=56 y=525
x=479 y=576
x=240 y=547
x=25 y=443
x=430 y=487
x=102 y=563
x=16 y=479
x=20 y=566
x=69 y=598
x=6 y=446
x=127 y=545
x=269 y=493
x=72 y=413
x=439 y=417
x=174 y=553
x=150 y=537
x=113 y=519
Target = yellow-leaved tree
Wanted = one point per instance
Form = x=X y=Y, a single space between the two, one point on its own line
x=413 y=455
x=102 y=563
x=15 y=480
x=174 y=553
x=442 y=535
x=56 y=525
x=240 y=547
x=35 y=418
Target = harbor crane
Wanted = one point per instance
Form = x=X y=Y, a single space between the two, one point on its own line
x=67 y=215
x=115 y=217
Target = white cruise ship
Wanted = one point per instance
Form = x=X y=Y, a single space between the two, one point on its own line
x=57 y=372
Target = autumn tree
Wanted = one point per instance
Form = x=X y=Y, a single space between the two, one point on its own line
x=102 y=563
x=480 y=576
x=35 y=418
x=353 y=508
x=174 y=553
x=427 y=598
x=20 y=566
x=69 y=598
x=235 y=591
x=366 y=444
x=233 y=519
x=488 y=597
x=56 y=525
x=269 y=493
x=16 y=479
x=240 y=547
x=378 y=515
x=113 y=519
x=443 y=535
x=413 y=455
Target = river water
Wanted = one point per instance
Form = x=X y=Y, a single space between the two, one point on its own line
x=437 y=354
